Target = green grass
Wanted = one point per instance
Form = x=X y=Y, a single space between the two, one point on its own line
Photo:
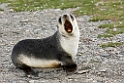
x=95 y=19
x=87 y=8
x=106 y=10
x=4 y=1
x=111 y=44
x=113 y=10
x=1 y=10
x=34 y=5
x=110 y=32
x=106 y=26
x=105 y=35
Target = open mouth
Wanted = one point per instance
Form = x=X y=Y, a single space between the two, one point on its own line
x=68 y=26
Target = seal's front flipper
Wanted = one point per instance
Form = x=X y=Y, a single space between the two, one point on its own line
x=70 y=67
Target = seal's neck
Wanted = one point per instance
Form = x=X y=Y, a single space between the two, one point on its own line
x=69 y=43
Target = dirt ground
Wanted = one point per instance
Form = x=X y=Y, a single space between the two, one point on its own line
x=95 y=64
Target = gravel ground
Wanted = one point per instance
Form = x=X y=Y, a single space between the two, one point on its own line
x=95 y=64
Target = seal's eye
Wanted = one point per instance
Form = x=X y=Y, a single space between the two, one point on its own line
x=72 y=17
x=60 y=21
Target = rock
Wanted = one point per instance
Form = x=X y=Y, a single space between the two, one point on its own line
x=82 y=71
x=37 y=31
x=101 y=50
x=114 y=29
x=110 y=49
x=105 y=55
x=94 y=39
x=120 y=55
x=122 y=51
x=24 y=21
x=102 y=69
x=32 y=81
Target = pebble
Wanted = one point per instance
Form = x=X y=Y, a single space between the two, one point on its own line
x=32 y=81
x=101 y=50
x=37 y=31
x=105 y=55
x=82 y=71
x=120 y=55
x=110 y=49
x=102 y=69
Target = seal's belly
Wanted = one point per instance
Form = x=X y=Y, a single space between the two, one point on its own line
x=40 y=63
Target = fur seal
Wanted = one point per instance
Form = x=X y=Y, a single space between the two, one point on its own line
x=54 y=51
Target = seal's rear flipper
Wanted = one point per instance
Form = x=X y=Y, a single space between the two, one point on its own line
x=28 y=71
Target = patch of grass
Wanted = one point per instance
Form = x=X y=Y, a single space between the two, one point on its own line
x=105 y=35
x=105 y=10
x=106 y=26
x=102 y=9
x=111 y=30
x=115 y=13
x=1 y=10
x=95 y=19
x=87 y=8
x=94 y=61
x=118 y=31
x=111 y=44
x=4 y=1
x=34 y=5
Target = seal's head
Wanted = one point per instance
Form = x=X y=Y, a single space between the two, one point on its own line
x=69 y=33
x=67 y=25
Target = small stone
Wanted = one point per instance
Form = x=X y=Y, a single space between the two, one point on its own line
x=24 y=20
x=112 y=52
x=76 y=80
x=94 y=39
x=1 y=12
x=37 y=31
x=11 y=10
x=28 y=76
x=101 y=50
x=110 y=49
x=57 y=10
x=82 y=71
x=102 y=69
x=120 y=55
x=115 y=29
x=105 y=55
x=32 y=81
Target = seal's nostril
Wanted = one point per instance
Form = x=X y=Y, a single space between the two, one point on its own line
x=65 y=16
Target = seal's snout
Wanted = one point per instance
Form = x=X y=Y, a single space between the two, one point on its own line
x=65 y=16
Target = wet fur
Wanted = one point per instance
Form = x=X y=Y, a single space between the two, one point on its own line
x=57 y=50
